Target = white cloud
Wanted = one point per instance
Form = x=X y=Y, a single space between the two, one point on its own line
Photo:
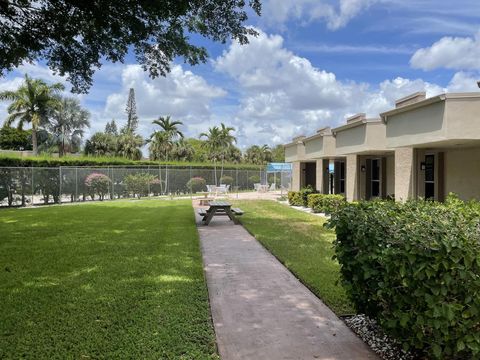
x=282 y=94
x=459 y=53
x=181 y=94
x=336 y=13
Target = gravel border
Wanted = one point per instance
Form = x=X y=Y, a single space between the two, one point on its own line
x=371 y=333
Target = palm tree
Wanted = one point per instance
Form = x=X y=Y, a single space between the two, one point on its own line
x=213 y=145
x=68 y=123
x=30 y=104
x=226 y=141
x=170 y=131
x=128 y=146
x=159 y=145
x=101 y=144
x=266 y=153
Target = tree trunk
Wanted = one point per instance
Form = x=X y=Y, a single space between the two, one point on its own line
x=34 y=141
x=221 y=172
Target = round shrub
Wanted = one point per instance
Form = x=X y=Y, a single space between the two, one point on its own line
x=416 y=268
x=157 y=186
x=227 y=180
x=325 y=203
x=138 y=185
x=304 y=192
x=294 y=198
x=197 y=184
x=98 y=184
x=254 y=179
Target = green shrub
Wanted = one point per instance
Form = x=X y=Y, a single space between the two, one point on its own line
x=197 y=184
x=157 y=186
x=304 y=192
x=294 y=198
x=227 y=180
x=254 y=179
x=49 y=161
x=138 y=185
x=416 y=268
x=325 y=203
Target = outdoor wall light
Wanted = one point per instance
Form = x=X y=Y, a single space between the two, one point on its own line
x=422 y=166
x=363 y=168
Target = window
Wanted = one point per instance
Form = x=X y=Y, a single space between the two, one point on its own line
x=430 y=177
x=342 y=177
x=375 y=178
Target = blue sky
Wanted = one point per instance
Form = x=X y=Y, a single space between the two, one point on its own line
x=314 y=63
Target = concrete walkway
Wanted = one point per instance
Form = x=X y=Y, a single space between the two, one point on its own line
x=260 y=310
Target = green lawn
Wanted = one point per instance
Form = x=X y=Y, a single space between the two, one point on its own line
x=112 y=280
x=300 y=241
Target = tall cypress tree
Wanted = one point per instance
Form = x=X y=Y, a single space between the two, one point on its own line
x=132 y=118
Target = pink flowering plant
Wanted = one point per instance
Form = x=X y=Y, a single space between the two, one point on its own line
x=98 y=184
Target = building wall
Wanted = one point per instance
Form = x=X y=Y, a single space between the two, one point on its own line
x=419 y=126
x=462 y=173
x=364 y=137
x=404 y=173
x=352 y=169
x=314 y=148
x=329 y=146
x=463 y=118
x=296 y=175
x=350 y=140
x=290 y=153
x=390 y=175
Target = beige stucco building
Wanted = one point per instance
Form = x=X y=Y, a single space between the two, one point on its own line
x=423 y=148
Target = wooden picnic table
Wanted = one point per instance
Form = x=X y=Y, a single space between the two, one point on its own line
x=219 y=208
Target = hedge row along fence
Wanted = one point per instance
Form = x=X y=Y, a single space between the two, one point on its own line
x=22 y=186
x=319 y=203
x=41 y=161
x=415 y=267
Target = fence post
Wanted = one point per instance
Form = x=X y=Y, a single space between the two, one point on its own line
x=60 y=190
x=112 y=196
x=166 y=179
x=76 y=184
x=149 y=181
x=160 y=178
x=33 y=187
x=191 y=191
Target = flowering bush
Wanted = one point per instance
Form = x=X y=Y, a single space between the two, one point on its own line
x=138 y=184
x=196 y=184
x=99 y=184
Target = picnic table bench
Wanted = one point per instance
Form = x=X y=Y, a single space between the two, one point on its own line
x=219 y=208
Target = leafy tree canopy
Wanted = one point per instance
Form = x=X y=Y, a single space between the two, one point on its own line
x=83 y=33
x=12 y=138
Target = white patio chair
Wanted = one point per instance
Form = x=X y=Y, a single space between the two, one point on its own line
x=211 y=189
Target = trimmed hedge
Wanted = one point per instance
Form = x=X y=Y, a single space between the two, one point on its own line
x=294 y=198
x=300 y=198
x=325 y=203
x=415 y=267
x=47 y=161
